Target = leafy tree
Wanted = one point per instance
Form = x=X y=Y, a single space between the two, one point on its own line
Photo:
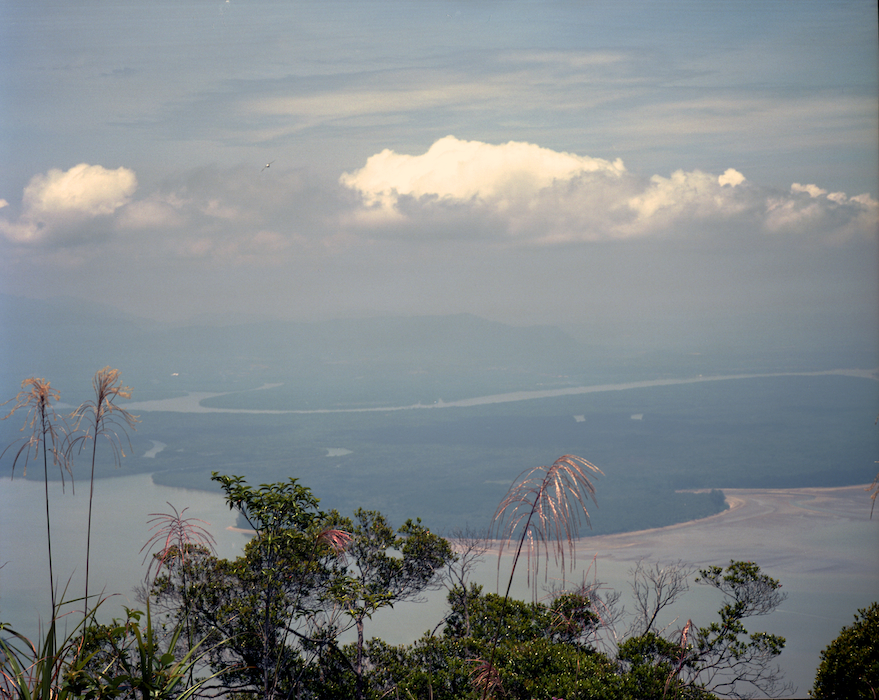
x=651 y=669
x=724 y=657
x=433 y=667
x=850 y=664
x=267 y=603
x=385 y=568
x=573 y=619
x=517 y=620
x=538 y=652
x=282 y=604
x=567 y=619
x=470 y=549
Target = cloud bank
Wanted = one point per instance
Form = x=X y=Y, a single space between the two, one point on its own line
x=60 y=201
x=511 y=194
x=536 y=194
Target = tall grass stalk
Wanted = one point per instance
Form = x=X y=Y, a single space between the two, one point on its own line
x=102 y=418
x=47 y=434
x=178 y=537
x=545 y=506
x=31 y=673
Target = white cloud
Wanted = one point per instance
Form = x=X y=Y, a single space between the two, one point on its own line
x=529 y=193
x=731 y=177
x=812 y=190
x=467 y=170
x=89 y=190
x=64 y=199
x=686 y=195
x=811 y=207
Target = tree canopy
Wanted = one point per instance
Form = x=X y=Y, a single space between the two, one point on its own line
x=850 y=664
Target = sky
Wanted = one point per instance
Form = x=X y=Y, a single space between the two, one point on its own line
x=685 y=172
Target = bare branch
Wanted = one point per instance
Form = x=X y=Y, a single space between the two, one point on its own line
x=654 y=588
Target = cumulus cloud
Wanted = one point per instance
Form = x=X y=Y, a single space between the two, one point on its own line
x=686 y=195
x=812 y=207
x=812 y=190
x=467 y=170
x=60 y=201
x=731 y=177
x=535 y=194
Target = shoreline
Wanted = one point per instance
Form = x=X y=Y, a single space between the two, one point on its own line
x=191 y=402
x=792 y=515
x=790 y=531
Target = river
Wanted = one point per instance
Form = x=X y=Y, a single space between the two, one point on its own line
x=820 y=543
x=191 y=402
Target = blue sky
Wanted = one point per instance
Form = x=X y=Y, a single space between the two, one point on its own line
x=699 y=171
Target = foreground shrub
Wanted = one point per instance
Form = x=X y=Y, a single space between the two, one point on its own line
x=850 y=664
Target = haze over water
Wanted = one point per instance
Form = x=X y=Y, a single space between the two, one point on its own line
x=546 y=220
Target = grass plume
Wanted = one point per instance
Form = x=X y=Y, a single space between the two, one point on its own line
x=47 y=433
x=177 y=535
x=543 y=508
x=101 y=417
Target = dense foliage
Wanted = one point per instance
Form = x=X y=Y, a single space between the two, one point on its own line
x=268 y=624
x=307 y=576
x=850 y=664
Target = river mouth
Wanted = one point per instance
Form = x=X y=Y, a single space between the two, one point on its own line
x=192 y=401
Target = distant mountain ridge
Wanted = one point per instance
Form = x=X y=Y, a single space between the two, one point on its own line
x=66 y=340
x=360 y=361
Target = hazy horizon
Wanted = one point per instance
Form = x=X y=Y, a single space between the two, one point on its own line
x=388 y=203
x=649 y=174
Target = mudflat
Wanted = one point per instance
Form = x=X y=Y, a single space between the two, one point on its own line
x=806 y=530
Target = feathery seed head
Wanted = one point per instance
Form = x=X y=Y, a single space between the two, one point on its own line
x=544 y=508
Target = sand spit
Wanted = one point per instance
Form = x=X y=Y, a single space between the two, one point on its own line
x=191 y=402
x=794 y=530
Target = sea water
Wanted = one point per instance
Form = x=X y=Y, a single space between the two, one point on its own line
x=121 y=509
x=828 y=566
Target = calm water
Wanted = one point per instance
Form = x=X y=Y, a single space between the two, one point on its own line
x=122 y=507
x=828 y=564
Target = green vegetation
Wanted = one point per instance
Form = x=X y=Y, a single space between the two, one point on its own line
x=303 y=581
x=270 y=623
x=451 y=466
x=850 y=664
